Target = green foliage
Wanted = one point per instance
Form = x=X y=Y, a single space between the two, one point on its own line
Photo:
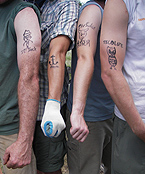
x=68 y=58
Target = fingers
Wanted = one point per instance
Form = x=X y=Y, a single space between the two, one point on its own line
x=12 y=162
x=18 y=155
x=6 y=157
x=79 y=134
x=57 y=129
x=47 y=128
x=79 y=129
x=52 y=130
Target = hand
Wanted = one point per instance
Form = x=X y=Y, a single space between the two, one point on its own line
x=18 y=155
x=139 y=129
x=52 y=122
x=79 y=129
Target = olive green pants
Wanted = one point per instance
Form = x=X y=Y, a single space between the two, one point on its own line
x=86 y=157
x=128 y=151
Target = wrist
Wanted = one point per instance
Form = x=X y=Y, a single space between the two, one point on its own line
x=139 y=128
x=25 y=138
x=53 y=100
x=52 y=104
x=78 y=108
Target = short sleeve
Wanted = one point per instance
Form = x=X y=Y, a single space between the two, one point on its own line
x=17 y=9
x=67 y=21
x=60 y=21
x=131 y=6
x=91 y=2
x=23 y=5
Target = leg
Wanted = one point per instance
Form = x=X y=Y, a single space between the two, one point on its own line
x=49 y=152
x=128 y=150
x=106 y=157
x=85 y=158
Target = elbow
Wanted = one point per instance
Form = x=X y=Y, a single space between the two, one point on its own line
x=86 y=60
x=60 y=55
x=34 y=84
x=106 y=76
x=108 y=79
x=34 y=80
x=30 y=80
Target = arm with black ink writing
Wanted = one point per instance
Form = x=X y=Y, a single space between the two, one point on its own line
x=62 y=40
x=56 y=68
x=113 y=48
x=28 y=55
x=87 y=31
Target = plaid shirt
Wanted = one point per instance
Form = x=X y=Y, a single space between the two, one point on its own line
x=58 y=17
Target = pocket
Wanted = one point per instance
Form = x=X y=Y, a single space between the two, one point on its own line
x=119 y=128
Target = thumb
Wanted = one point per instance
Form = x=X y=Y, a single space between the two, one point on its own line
x=71 y=131
x=6 y=157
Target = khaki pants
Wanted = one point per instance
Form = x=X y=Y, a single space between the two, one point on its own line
x=5 y=142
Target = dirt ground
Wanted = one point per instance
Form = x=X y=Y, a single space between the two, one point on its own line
x=65 y=168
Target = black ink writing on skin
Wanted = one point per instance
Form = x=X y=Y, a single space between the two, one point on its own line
x=24 y=51
x=111 y=51
x=112 y=42
x=52 y=62
x=32 y=49
x=27 y=38
x=82 y=31
x=87 y=24
x=82 y=34
x=27 y=41
x=83 y=42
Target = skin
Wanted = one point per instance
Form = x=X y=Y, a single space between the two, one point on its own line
x=114 y=27
x=19 y=153
x=84 y=69
x=58 y=49
x=56 y=67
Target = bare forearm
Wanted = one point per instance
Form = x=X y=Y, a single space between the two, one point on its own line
x=56 y=69
x=82 y=79
x=120 y=92
x=28 y=96
x=114 y=29
x=56 y=65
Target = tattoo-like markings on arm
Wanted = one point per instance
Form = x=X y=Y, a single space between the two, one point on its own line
x=112 y=42
x=82 y=30
x=111 y=51
x=27 y=41
x=52 y=62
